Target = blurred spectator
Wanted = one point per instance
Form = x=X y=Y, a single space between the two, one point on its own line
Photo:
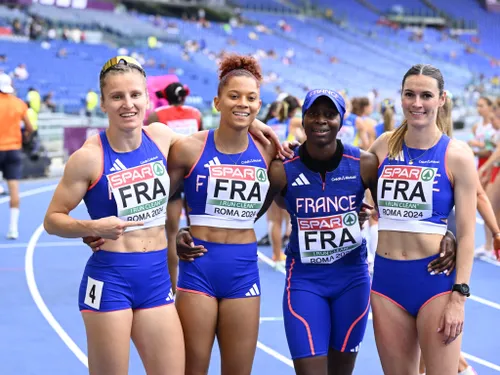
x=33 y=99
x=20 y=72
x=48 y=101
x=91 y=102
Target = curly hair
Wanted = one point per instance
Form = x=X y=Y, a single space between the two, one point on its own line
x=238 y=65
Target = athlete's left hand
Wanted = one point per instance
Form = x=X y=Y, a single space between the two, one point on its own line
x=266 y=135
x=364 y=214
x=496 y=245
x=186 y=249
x=447 y=256
x=95 y=243
x=452 y=321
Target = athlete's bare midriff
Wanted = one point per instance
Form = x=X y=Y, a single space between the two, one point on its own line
x=138 y=241
x=407 y=246
x=224 y=235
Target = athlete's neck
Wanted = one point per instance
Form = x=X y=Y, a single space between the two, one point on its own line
x=124 y=141
x=323 y=152
x=321 y=165
x=422 y=138
x=231 y=141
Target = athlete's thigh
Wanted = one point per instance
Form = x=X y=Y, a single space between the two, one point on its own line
x=396 y=337
x=108 y=341
x=198 y=315
x=307 y=323
x=158 y=337
x=350 y=315
x=440 y=359
x=237 y=332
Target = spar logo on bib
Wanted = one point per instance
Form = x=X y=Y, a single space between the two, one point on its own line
x=406 y=192
x=140 y=192
x=236 y=191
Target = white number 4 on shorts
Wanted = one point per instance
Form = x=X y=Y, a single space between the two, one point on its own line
x=94 y=293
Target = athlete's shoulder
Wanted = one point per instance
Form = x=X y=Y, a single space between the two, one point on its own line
x=87 y=160
x=457 y=147
x=351 y=150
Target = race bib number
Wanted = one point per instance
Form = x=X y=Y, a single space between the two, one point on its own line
x=236 y=191
x=93 y=294
x=324 y=240
x=184 y=127
x=405 y=192
x=141 y=193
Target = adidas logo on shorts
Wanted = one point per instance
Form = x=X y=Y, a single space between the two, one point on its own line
x=254 y=291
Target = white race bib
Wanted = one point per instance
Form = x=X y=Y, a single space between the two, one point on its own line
x=141 y=193
x=405 y=192
x=235 y=191
x=329 y=238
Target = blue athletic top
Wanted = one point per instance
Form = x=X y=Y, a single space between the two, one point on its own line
x=347 y=133
x=133 y=185
x=324 y=214
x=226 y=191
x=414 y=191
x=280 y=128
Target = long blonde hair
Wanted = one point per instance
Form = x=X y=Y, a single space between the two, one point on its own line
x=444 y=117
x=396 y=139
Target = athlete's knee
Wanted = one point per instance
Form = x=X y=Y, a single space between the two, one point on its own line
x=341 y=363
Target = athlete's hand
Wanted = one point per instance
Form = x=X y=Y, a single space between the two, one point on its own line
x=496 y=245
x=447 y=256
x=95 y=243
x=186 y=249
x=364 y=214
x=112 y=227
x=452 y=321
x=484 y=174
x=288 y=149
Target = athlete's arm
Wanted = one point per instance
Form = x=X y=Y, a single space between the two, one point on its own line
x=463 y=174
x=494 y=157
x=277 y=182
x=181 y=159
x=485 y=209
x=81 y=169
x=369 y=168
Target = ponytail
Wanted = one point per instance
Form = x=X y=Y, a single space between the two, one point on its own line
x=283 y=112
x=396 y=139
x=388 y=119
